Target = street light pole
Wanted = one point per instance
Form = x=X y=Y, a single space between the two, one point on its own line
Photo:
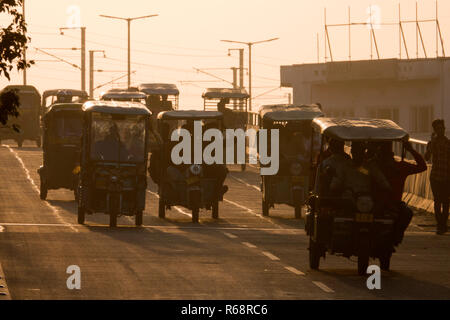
x=91 y=71
x=83 y=54
x=24 y=51
x=250 y=44
x=129 y=20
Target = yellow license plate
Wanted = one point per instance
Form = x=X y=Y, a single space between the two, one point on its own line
x=297 y=179
x=364 y=217
x=192 y=180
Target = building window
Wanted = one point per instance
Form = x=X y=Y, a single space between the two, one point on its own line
x=421 y=118
x=389 y=113
x=340 y=113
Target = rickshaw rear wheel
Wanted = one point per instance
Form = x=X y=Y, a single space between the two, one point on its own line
x=215 y=210
x=363 y=256
x=195 y=215
x=38 y=142
x=265 y=208
x=139 y=218
x=81 y=215
x=113 y=220
x=298 y=212
x=385 y=261
x=20 y=143
x=43 y=190
x=162 y=209
x=314 y=254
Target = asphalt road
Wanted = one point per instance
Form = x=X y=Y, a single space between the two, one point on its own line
x=241 y=256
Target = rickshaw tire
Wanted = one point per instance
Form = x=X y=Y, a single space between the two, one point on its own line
x=298 y=212
x=363 y=257
x=19 y=143
x=385 y=262
x=113 y=220
x=38 y=142
x=243 y=167
x=81 y=215
x=314 y=254
x=162 y=209
x=43 y=191
x=139 y=218
x=265 y=208
x=195 y=215
x=215 y=210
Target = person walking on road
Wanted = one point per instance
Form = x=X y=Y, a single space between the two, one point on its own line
x=438 y=149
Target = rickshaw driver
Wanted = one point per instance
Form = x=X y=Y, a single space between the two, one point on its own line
x=357 y=176
x=107 y=148
x=166 y=105
x=63 y=97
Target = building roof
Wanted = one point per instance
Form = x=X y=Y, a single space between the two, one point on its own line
x=360 y=129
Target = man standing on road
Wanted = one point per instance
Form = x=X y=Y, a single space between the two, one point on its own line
x=438 y=150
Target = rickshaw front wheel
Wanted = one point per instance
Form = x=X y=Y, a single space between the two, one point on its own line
x=314 y=254
x=162 y=209
x=81 y=215
x=215 y=210
x=385 y=261
x=195 y=214
x=363 y=256
x=20 y=143
x=43 y=190
x=265 y=208
x=38 y=142
x=298 y=212
x=112 y=220
x=139 y=218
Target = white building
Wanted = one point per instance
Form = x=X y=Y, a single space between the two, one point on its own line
x=411 y=92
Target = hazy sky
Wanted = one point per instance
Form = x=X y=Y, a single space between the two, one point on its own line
x=187 y=34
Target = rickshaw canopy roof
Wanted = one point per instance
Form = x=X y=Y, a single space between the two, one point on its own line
x=122 y=95
x=360 y=129
x=67 y=92
x=159 y=88
x=23 y=89
x=219 y=93
x=116 y=107
x=290 y=112
x=190 y=115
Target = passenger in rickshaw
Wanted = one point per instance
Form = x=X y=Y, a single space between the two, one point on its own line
x=292 y=148
x=227 y=113
x=63 y=97
x=396 y=173
x=110 y=145
x=153 y=102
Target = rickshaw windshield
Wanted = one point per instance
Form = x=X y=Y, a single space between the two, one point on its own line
x=69 y=125
x=118 y=138
x=28 y=100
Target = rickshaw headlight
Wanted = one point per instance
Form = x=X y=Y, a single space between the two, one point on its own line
x=196 y=169
x=364 y=204
x=114 y=179
x=296 y=169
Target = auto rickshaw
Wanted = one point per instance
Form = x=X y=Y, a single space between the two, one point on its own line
x=194 y=185
x=232 y=102
x=63 y=127
x=291 y=185
x=50 y=97
x=113 y=176
x=28 y=120
x=168 y=92
x=123 y=95
x=351 y=221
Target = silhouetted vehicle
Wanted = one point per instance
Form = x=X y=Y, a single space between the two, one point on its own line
x=291 y=185
x=233 y=104
x=63 y=127
x=113 y=177
x=29 y=116
x=193 y=186
x=51 y=97
x=162 y=89
x=352 y=222
x=123 y=95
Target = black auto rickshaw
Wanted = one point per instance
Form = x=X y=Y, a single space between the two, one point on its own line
x=194 y=185
x=68 y=96
x=63 y=127
x=113 y=176
x=232 y=102
x=351 y=219
x=291 y=185
x=161 y=96
x=28 y=120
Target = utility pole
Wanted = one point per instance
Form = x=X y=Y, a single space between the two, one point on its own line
x=24 y=50
x=250 y=45
x=128 y=20
x=83 y=54
x=91 y=70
